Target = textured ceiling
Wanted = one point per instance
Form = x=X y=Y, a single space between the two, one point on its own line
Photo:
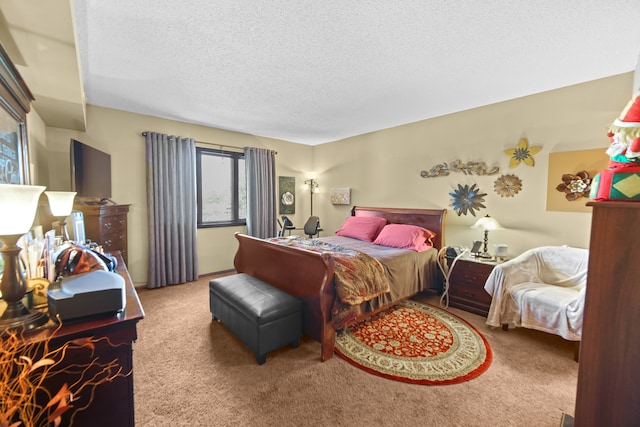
x=317 y=71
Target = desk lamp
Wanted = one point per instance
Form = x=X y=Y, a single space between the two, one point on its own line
x=61 y=205
x=486 y=223
x=18 y=209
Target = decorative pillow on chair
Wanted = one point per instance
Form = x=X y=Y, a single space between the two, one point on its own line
x=405 y=236
x=362 y=227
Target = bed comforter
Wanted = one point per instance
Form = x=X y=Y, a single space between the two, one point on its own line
x=369 y=276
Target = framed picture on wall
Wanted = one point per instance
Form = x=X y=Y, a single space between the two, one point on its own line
x=13 y=150
x=15 y=101
x=287 y=194
x=341 y=196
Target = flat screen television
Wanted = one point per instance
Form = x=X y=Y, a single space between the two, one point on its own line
x=90 y=173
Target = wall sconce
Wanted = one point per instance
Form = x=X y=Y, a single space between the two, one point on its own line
x=19 y=204
x=61 y=205
x=313 y=188
x=486 y=223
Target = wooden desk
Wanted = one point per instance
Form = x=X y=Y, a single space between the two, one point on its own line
x=113 y=401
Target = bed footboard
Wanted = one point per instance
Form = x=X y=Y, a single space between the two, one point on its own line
x=305 y=274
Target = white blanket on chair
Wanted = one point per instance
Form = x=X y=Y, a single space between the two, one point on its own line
x=543 y=289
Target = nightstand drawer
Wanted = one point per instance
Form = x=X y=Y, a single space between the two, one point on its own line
x=471 y=272
x=473 y=293
x=466 y=286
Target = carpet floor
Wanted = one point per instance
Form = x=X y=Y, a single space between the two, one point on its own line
x=190 y=371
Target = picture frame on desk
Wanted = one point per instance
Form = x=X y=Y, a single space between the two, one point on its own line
x=475 y=250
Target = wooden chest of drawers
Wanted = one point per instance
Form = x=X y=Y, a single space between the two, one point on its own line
x=107 y=226
x=466 y=286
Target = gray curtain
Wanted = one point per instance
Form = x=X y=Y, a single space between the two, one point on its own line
x=261 y=191
x=171 y=205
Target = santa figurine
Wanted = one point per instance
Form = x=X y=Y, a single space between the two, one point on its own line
x=624 y=135
x=621 y=180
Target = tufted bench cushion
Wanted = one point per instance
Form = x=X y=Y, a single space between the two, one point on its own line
x=263 y=317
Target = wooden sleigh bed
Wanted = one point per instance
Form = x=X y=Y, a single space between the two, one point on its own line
x=310 y=275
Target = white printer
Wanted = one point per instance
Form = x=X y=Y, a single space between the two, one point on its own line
x=88 y=294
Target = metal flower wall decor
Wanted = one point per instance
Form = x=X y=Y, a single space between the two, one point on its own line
x=522 y=154
x=507 y=185
x=575 y=186
x=467 y=199
x=468 y=168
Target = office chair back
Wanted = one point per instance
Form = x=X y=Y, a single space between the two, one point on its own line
x=285 y=225
x=311 y=226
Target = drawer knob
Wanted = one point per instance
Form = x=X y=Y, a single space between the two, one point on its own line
x=108 y=243
x=123 y=222
x=107 y=225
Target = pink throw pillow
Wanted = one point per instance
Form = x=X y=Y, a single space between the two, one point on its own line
x=405 y=236
x=362 y=227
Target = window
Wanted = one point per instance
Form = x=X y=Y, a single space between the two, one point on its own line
x=222 y=188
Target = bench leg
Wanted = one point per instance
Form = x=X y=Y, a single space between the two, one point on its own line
x=505 y=326
x=261 y=359
x=295 y=343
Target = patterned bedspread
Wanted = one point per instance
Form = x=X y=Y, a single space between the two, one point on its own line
x=358 y=277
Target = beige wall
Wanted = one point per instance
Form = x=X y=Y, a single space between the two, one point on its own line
x=119 y=134
x=382 y=168
x=36 y=146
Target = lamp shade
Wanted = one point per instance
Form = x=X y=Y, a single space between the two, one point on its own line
x=60 y=202
x=312 y=183
x=487 y=223
x=18 y=205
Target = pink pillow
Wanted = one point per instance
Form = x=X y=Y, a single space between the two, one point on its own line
x=405 y=236
x=362 y=227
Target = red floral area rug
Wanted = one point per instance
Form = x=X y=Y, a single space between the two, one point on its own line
x=416 y=343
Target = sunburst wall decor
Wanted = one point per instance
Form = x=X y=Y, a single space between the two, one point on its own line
x=575 y=186
x=467 y=199
x=522 y=154
x=592 y=161
x=507 y=185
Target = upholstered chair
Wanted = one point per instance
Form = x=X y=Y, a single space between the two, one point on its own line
x=543 y=289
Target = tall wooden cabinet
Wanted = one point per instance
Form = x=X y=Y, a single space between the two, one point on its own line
x=107 y=226
x=609 y=370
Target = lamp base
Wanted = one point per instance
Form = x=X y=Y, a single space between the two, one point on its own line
x=26 y=321
x=484 y=255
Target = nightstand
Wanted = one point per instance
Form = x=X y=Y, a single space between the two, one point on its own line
x=466 y=285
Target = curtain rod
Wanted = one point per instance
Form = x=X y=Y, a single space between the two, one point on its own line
x=214 y=145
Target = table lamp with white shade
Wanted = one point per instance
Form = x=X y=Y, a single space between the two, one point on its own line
x=61 y=205
x=18 y=205
x=486 y=223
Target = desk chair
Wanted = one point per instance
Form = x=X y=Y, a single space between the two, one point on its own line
x=285 y=225
x=311 y=227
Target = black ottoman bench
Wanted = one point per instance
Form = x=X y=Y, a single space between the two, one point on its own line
x=263 y=317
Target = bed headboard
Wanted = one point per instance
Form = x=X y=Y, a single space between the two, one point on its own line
x=432 y=219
